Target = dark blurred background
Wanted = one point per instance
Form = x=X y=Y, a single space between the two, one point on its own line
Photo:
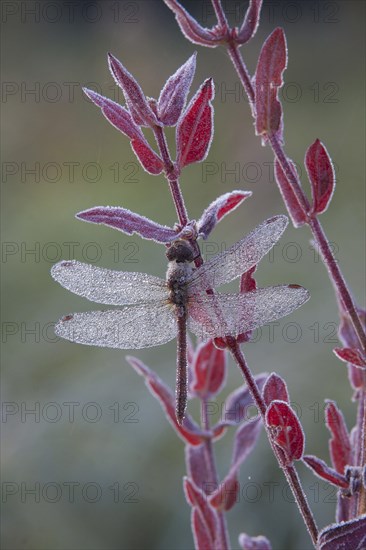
x=96 y=466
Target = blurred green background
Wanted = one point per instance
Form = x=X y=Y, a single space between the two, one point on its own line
x=104 y=466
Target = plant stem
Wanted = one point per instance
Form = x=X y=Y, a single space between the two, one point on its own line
x=214 y=478
x=224 y=543
x=288 y=469
x=334 y=271
x=361 y=451
x=338 y=281
x=172 y=179
x=220 y=14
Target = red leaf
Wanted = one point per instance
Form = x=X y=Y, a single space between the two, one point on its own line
x=298 y=216
x=173 y=96
x=195 y=128
x=128 y=222
x=325 y=472
x=209 y=369
x=137 y=103
x=349 y=535
x=254 y=543
x=218 y=210
x=286 y=429
x=247 y=281
x=349 y=339
x=353 y=356
x=150 y=161
x=275 y=388
x=189 y=432
x=197 y=499
x=339 y=445
x=321 y=176
x=268 y=79
x=226 y=496
x=250 y=23
x=116 y=115
x=190 y=28
x=247 y=284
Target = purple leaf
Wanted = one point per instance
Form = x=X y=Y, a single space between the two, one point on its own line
x=116 y=115
x=250 y=23
x=297 y=214
x=209 y=369
x=189 y=431
x=201 y=533
x=190 y=28
x=218 y=209
x=197 y=466
x=195 y=128
x=286 y=429
x=198 y=499
x=268 y=79
x=254 y=543
x=325 y=472
x=128 y=222
x=339 y=444
x=239 y=401
x=137 y=103
x=344 y=536
x=321 y=176
x=174 y=94
x=246 y=438
x=122 y=120
x=275 y=388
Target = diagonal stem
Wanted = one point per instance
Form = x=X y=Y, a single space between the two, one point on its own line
x=288 y=469
x=333 y=269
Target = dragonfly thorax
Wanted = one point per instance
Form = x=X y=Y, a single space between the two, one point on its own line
x=176 y=280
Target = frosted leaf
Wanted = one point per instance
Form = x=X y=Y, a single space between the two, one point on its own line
x=106 y=286
x=231 y=314
x=242 y=256
x=132 y=327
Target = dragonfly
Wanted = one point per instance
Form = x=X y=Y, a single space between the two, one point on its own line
x=155 y=311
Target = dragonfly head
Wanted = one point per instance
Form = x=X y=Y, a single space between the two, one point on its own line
x=180 y=251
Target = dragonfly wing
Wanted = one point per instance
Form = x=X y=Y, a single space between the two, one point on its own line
x=243 y=255
x=232 y=314
x=106 y=286
x=133 y=327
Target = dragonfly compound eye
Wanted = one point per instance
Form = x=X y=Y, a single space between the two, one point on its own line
x=180 y=251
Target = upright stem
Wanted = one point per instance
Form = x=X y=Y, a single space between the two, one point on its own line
x=172 y=179
x=220 y=14
x=288 y=469
x=334 y=271
x=224 y=543
x=361 y=450
x=214 y=478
